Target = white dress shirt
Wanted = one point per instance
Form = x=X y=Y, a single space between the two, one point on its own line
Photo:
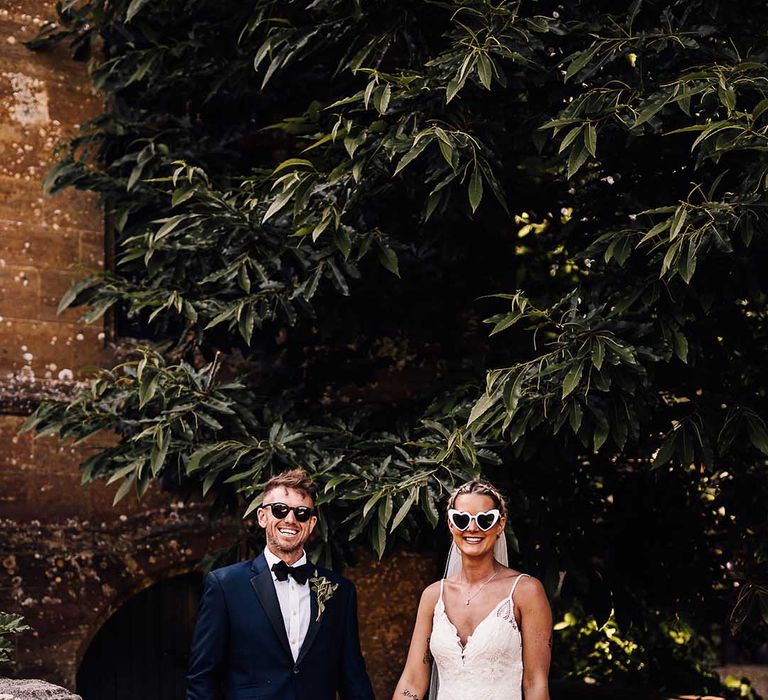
x=294 y=603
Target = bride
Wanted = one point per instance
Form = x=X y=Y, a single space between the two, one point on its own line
x=485 y=630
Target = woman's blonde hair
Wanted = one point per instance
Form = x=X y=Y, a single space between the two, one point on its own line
x=483 y=488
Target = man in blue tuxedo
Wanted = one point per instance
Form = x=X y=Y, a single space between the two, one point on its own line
x=279 y=627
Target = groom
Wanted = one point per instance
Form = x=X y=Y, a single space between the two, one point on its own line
x=278 y=627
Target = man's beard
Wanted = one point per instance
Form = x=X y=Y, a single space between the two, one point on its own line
x=276 y=546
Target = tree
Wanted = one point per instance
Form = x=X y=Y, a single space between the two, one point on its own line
x=316 y=206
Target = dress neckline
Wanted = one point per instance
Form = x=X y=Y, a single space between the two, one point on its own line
x=463 y=647
x=466 y=644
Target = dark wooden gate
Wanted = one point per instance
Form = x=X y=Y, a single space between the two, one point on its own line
x=141 y=652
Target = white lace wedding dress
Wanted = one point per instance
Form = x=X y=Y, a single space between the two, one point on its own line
x=490 y=665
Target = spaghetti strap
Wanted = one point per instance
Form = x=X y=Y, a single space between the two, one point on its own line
x=514 y=585
x=442 y=580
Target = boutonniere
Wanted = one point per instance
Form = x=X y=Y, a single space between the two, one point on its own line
x=324 y=591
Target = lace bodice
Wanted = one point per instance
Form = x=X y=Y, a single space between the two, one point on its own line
x=489 y=665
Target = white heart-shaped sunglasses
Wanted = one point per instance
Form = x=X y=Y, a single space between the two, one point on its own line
x=461 y=520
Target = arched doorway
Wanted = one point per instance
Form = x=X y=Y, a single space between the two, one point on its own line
x=141 y=652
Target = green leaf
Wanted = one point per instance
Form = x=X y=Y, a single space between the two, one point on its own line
x=758 y=435
x=482 y=405
x=485 y=70
x=169 y=225
x=666 y=450
x=404 y=509
x=570 y=137
x=125 y=487
x=124 y=471
x=196 y=461
x=575 y=415
x=148 y=387
x=448 y=152
x=580 y=60
x=760 y=109
x=678 y=221
x=342 y=241
x=246 y=323
x=578 y=156
x=727 y=97
x=572 y=379
x=680 y=343
x=243 y=280
x=388 y=258
x=209 y=481
x=430 y=508
x=380 y=540
x=650 y=110
x=600 y=435
x=368 y=92
x=507 y=321
x=294 y=164
x=381 y=98
x=135 y=176
x=475 y=189
x=452 y=89
x=134 y=8
x=598 y=353
x=159 y=452
x=590 y=139
x=371 y=502
x=385 y=511
x=412 y=154
x=73 y=292
x=278 y=203
x=655 y=231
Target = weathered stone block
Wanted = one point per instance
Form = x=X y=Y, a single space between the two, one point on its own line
x=19 y=292
x=50 y=350
x=33 y=690
x=38 y=246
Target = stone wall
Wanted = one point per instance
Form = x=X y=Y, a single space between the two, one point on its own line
x=44 y=241
x=69 y=559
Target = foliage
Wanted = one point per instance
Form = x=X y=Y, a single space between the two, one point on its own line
x=9 y=625
x=602 y=654
x=315 y=206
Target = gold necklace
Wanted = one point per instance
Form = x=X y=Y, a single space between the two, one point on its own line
x=488 y=580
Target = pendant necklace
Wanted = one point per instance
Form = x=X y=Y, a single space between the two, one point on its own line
x=488 y=580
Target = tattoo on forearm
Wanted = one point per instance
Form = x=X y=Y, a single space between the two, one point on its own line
x=409 y=694
x=427 y=653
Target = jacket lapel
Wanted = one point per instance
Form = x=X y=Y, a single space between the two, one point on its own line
x=265 y=589
x=314 y=623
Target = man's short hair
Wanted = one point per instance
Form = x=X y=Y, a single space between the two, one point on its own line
x=296 y=479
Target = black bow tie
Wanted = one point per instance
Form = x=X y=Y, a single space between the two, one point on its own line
x=283 y=571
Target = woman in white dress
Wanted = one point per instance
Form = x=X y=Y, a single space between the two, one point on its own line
x=485 y=630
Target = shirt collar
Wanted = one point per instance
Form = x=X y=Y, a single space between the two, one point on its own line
x=272 y=559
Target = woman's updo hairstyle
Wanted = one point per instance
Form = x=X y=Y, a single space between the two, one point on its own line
x=482 y=488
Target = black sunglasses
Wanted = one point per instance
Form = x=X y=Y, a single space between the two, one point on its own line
x=280 y=511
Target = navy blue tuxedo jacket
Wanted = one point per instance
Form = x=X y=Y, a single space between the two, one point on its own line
x=240 y=648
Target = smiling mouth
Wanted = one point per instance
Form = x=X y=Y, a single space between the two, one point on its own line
x=287 y=533
x=473 y=540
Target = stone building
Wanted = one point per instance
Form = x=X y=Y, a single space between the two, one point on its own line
x=110 y=592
